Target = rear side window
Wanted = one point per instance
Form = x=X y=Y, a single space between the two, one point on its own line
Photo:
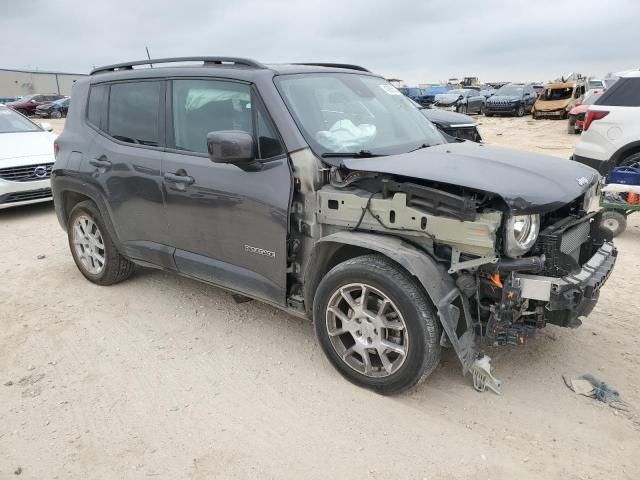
x=97 y=104
x=134 y=110
x=624 y=93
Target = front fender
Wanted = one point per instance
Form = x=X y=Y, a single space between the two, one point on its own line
x=438 y=284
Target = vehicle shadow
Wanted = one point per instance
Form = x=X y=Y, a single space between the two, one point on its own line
x=22 y=211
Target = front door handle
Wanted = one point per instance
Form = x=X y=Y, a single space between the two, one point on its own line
x=101 y=162
x=179 y=177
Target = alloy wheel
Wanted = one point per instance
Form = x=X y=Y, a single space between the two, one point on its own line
x=89 y=245
x=367 y=330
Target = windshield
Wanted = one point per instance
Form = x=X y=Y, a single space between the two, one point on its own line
x=591 y=99
x=596 y=84
x=458 y=91
x=510 y=91
x=12 y=122
x=557 y=94
x=339 y=112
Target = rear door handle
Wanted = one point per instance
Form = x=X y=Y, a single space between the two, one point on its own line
x=179 y=177
x=101 y=162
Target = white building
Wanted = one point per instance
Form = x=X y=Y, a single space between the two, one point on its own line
x=17 y=83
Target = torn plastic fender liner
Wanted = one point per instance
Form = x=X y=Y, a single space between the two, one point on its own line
x=434 y=278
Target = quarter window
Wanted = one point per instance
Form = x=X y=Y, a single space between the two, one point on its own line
x=97 y=97
x=134 y=110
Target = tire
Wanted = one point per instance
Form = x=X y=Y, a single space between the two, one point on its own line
x=461 y=109
x=87 y=226
x=409 y=307
x=23 y=112
x=571 y=129
x=613 y=222
x=487 y=114
x=56 y=114
x=520 y=111
x=481 y=111
x=535 y=116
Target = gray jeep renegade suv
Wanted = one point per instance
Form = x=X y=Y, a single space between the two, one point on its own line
x=322 y=190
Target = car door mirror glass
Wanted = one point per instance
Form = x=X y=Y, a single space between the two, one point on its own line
x=231 y=146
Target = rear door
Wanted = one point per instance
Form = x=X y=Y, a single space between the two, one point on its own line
x=125 y=161
x=229 y=226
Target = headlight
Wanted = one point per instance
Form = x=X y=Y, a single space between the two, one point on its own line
x=520 y=233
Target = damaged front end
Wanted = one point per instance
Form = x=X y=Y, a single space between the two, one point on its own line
x=488 y=292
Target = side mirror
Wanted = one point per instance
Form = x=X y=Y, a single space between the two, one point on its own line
x=32 y=101
x=232 y=146
x=46 y=126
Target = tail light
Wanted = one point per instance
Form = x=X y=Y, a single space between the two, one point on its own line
x=56 y=149
x=593 y=115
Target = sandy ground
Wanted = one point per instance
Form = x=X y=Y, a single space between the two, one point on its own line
x=162 y=377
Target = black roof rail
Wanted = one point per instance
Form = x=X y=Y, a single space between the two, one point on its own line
x=336 y=65
x=247 y=62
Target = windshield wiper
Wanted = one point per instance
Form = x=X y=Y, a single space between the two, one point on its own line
x=360 y=154
x=424 y=145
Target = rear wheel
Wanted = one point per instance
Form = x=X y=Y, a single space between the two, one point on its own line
x=92 y=249
x=632 y=160
x=376 y=325
x=614 y=222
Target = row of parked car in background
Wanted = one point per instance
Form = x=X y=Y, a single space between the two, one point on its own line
x=554 y=100
x=51 y=105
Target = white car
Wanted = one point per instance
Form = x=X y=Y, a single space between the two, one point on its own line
x=26 y=160
x=611 y=132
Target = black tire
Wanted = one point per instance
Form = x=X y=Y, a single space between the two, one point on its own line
x=116 y=267
x=520 y=111
x=481 y=111
x=614 y=222
x=535 y=116
x=488 y=114
x=56 y=114
x=461 y=109
x=571 y=128
x=422 y=326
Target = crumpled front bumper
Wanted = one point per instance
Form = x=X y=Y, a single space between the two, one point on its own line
x=575 y=295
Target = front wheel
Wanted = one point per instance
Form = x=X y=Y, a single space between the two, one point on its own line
x=613 y=222
x=92 y=248
x=56 y=114
x=520 y=111
x=376 y=325
x=461 y=108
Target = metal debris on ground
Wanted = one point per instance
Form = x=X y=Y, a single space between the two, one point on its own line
x=482 y=378
x=591 y=387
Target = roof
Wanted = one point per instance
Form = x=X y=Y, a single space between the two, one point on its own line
x=561 y=85
x=243 y=68
x=46 y=72
x=629 y=74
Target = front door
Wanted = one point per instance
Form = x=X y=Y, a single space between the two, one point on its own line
x=229 y=226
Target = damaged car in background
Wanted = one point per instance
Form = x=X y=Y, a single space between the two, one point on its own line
x=557 y=99
x=349 y=208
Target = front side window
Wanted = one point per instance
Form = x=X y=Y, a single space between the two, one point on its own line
x=134 y=109
x=342 y=113
x=203 y=106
